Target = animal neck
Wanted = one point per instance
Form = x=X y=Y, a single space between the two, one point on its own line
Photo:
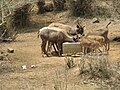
x=69 y=39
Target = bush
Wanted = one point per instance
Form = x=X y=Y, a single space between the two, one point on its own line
x=102 y=12
x=95 y=68
x=80 y=7
x=59 y=5
x=20 y=17
x=40 y=5
x=116 y=7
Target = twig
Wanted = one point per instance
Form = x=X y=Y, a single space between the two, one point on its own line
x=8 y=9
x=117 y=11
x=2 y=11
x=6 y=4
x=31 y=8
x=66 y=80
x=2 y=23
x=3 y=33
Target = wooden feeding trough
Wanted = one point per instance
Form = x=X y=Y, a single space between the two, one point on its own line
x=71 y=48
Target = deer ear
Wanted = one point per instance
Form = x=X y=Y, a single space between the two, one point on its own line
x=83 y=34
x=83 y=26
x=77 y=26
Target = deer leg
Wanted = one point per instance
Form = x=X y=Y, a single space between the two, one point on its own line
x=85 y=50
x=54 y=46
x=59 y=49
x=49 y=46
x=108 y=46
x=105 y=45
x=43 y=46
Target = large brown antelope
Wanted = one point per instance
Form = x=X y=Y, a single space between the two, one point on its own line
x=54 y=35
x=66 y=29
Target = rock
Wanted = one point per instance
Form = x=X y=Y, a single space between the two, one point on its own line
x=10 y=50
x=95 y=20
x=24 y=67
x=71 y=48
x=85 y=82
x=33 y=66
x=117 y=39
x=92 y=83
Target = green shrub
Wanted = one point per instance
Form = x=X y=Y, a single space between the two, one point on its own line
x=59 y=5
x=80 y=7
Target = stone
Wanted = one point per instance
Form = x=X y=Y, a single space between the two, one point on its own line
x=71 y=48
x=95 y=20
x=10 y=50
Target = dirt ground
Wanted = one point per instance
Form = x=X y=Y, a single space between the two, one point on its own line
x=49 y=71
